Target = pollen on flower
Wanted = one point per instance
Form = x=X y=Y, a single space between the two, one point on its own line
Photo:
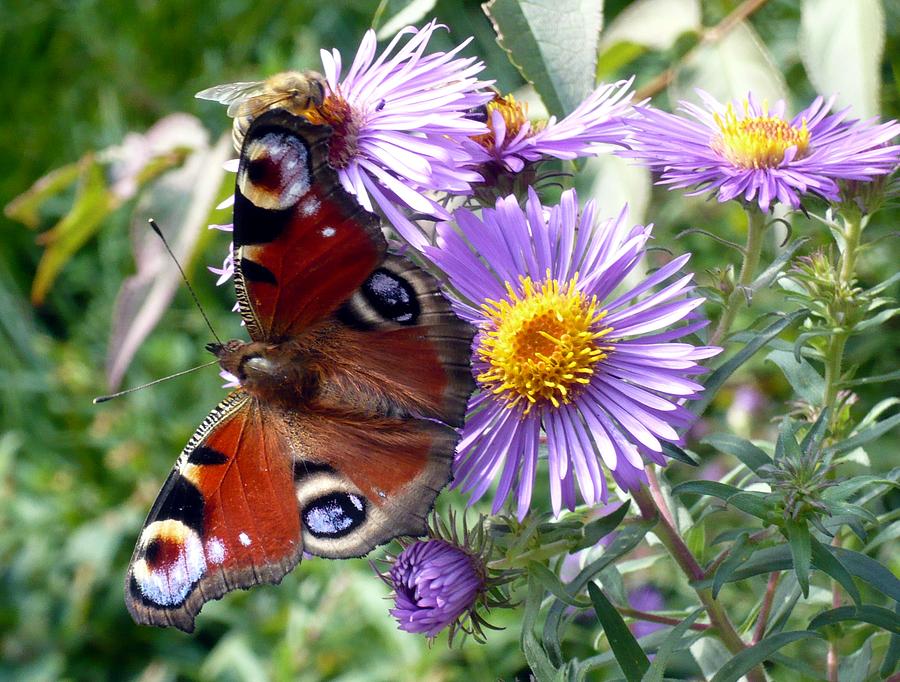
x=541 y=345
x=515 y=115
x=345 y=122
x=758 y=141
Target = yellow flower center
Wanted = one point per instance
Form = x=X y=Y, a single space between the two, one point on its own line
x=541 y=345
x=757 y=141
x=515 y=115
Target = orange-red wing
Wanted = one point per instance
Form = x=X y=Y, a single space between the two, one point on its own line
x=303 y=245
x=226 y=518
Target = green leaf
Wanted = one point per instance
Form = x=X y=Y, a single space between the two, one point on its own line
x=842 y=44
x=767 y=276
x=93 y=202
x=715 y=380
x=877 y=379
x=753 y=503
x=752 y=457
x=675 y=452
x=553 y=49
x=801 y=551
x=595 y=530
x=869 y=570
x=746 y=660
x=667 y=648
x=728 y=68
x=845 y=489
x=739 y=553
x=826 y=562
x=855 y=667
x=787 y=446
x=892 y=655
x=865 y=613
x=553 y=585
x=630 y=656
x=536 y=657
x=765 y=560
x=24 y=207
x=802 y=376
x=812 y=441
x=865 y=436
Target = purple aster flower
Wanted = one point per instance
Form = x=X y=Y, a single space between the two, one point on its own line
x=513 y=141
x=399 y=120
x=557 y=351
x=435 y=583
x=745 y=150
x=646 y=598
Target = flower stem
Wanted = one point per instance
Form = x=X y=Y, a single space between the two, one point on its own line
x=756 y=227
x=763 y=618
x=654 y=618
x=679 y=551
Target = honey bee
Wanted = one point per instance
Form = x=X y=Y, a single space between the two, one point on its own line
x=295 y=91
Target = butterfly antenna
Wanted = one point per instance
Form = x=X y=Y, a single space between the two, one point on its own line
x=188 y=284
x=104 y=398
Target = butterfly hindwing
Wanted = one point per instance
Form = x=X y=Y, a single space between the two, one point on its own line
x=226 y=518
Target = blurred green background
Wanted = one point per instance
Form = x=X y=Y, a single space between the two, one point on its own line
x=76 y=479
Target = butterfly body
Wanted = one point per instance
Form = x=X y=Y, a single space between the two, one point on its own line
x=341 y=432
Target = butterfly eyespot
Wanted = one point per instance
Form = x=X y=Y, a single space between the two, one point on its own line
x=392 y=297
x=334 y=515
x=173 y=561
x=274 y=172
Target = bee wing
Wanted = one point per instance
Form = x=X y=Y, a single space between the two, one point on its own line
x=231 y=93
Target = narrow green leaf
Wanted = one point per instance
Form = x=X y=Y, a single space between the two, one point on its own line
x=596 y=530
x=746 y=660
x=553 y=585
x=767 y=276
x=759 y=339
x=536 y=657
x=892 y=655
x=866 y=435
x=630 y=656
x=24 y=207
x=877 y=379
x=540 y=40
x=787 y=445
x=801 y=551
x=845 y=489
x=673 y=451
x=855 y=667
x=753 y=503
x=869 y=570
x=751 y=456
x=866 y=613
x=667 y=648
x=765 y=560
x=802 y=376
x=826 y=562
x=740 y=552
x=812 y=441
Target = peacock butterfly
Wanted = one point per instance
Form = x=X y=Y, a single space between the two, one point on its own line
x=341 y=433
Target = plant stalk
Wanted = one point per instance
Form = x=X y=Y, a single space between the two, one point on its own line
x=756 y=227
x=688 y=564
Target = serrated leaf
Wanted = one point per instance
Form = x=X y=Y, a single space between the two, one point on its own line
x=744 y=661
x=553 y=45
x=730 y=67
x=718 y=377
x=826 y=562
x=628 y=652
x=739 y=553
x=752 y=457
x=667 y=648
x=801 y=551
x=802 y=376
x=842 y=44
x=865 y=613
x=868 y=569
